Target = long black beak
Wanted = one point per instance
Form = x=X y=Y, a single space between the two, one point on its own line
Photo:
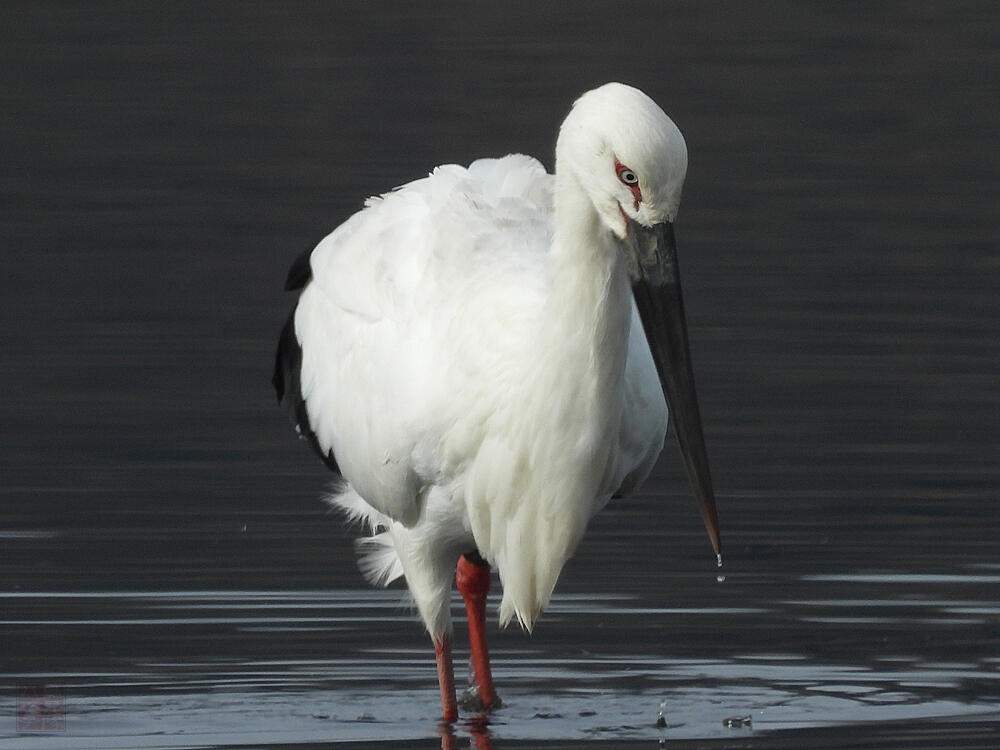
x=657 y=291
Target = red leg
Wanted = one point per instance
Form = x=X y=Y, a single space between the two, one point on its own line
x=474 y=582
x=446 y=678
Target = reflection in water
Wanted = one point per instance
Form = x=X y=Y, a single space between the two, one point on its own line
x=478 y=729
x=381 y=686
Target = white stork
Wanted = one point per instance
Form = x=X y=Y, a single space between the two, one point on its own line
x=486 y=355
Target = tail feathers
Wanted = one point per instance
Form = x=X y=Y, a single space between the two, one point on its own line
x=377 y=557
x=378 y=560
x=344 y=498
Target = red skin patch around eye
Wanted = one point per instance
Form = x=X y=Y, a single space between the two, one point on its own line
x=636 y=192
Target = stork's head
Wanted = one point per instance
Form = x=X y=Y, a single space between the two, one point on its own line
x=627 y=155
x=629 y=159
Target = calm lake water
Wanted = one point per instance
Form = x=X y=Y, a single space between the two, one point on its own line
x=169 y=577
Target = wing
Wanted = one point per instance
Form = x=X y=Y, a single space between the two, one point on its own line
x=391 y=324
x=286 y=381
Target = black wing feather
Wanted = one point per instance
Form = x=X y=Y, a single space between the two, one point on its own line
x=300 y=273
x=288 y=367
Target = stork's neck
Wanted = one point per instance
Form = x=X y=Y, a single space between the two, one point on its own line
x=587 y=265
x=590 y=306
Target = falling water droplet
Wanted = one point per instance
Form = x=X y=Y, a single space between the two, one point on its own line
x=718 y=560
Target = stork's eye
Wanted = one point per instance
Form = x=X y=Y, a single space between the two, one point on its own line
x=627 y=176
x=630 y=180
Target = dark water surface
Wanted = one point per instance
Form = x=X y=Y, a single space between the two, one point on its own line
x=169 y=578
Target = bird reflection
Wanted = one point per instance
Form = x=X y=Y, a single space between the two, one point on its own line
x=478 y=729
